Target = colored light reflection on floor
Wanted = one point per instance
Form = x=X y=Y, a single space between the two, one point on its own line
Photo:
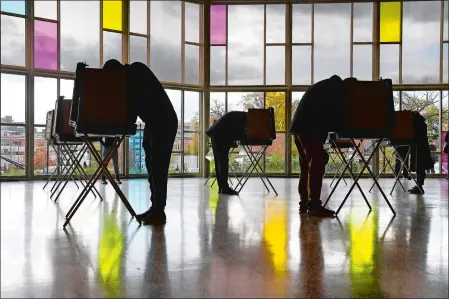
x=110 y=256
x=363 y=255
x=275 y=234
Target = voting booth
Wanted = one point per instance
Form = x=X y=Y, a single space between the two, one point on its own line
x=368 y=114
x=101 y=108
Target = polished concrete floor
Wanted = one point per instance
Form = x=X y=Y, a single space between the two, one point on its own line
x=252 y=245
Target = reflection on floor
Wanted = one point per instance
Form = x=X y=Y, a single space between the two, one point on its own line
x=255 y=245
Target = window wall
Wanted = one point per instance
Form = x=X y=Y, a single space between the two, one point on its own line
x=42 y=41
x=261 y=55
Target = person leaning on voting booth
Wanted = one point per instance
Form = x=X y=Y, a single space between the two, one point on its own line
x=318 y=113
x=223 y=133
x=151 y=103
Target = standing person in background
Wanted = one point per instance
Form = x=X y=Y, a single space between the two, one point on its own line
x=446 y=150
x=106 y=145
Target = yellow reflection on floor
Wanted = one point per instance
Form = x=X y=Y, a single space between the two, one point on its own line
x=110 y=256
x=275 y=233
x=363 y=232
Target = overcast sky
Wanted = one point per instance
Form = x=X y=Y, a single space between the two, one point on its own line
x=80 y=42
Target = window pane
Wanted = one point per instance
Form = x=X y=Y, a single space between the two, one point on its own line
x=45 y=9
x=192 y=64
x=80 y=41
x=13 y=98
x=246 y=45
x=275 y=72
x=296 y=97
x=217 y=65
x=175 y=98
x=445 y=62
x=363 y=22
x=218 y=24
x=137 y=49
x=13 y=6
x=332 y=55
x=275 y=155
x=137 y=153
x=445 y=129
x=445 y=21
x=175 y=163
x=138 y=17
x=240 y=101
x=12 y=40
x=275 y=24
x=45 y=158
x=165 y=56
x=301 y=65
x=45 y=45
x=276 y=100
x=390 y=22
x=45 y=95
x=191 y=110
x=217 y=106
x=302 y=23
x=421 y=42
x=362 y=62
x=13 y=150
x=192 y=22
x=66 y=88
x=397 y=99
x=389 y=62
x=112 y=14
x=191 y=153
x=112 y=46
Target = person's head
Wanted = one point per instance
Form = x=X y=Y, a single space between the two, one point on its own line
x=112 y=63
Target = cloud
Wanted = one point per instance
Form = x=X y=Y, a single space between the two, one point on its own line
x=422 y=11
x=12 y=40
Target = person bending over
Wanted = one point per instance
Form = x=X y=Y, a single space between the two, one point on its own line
x=106 y=145
x=315 y=116
x=150 y=102
x=224 y=132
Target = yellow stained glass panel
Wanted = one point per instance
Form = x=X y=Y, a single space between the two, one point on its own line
x=390 y=22
x=112 y=14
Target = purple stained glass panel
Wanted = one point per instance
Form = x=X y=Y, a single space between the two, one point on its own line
x=45 y=45
x=218 y=24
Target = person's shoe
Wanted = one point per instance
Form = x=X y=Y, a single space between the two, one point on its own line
x=319 y=210
x=118 y=181
x=416 y=190
x=228 y=191
x=303 y=206
x=154 y=218
x=104 y=182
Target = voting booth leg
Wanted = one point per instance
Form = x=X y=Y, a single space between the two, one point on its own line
x=340 y=165
x=387 y=162
x=349 y=162
x=55 y=172
x=244 y=178
x=102 y=168
x=81 y=173
x=66 y=175
x=366 y=166
x=346 y=166
x=404 y=167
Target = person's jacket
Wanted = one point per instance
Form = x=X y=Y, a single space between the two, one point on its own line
x=421 y=157
x=229 y=127
x=320 y=108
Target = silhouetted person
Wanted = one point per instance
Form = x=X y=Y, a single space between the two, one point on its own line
x=446 y=151
x=106 y=145
x=224 y=132
x=150 y=102
x=434 y=155
x=318 y=112
x=402 y=151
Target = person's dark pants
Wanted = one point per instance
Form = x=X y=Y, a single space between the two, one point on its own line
x=114 y=162
x=402 y=151
x=221 y=150
x=420 y=176
x=158 y=146
x=312 y=166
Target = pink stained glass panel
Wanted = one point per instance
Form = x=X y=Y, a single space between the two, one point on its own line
x=45 y=45
x=218 y=24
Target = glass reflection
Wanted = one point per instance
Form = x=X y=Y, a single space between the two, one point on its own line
x=110 y=256
x=363 y=255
